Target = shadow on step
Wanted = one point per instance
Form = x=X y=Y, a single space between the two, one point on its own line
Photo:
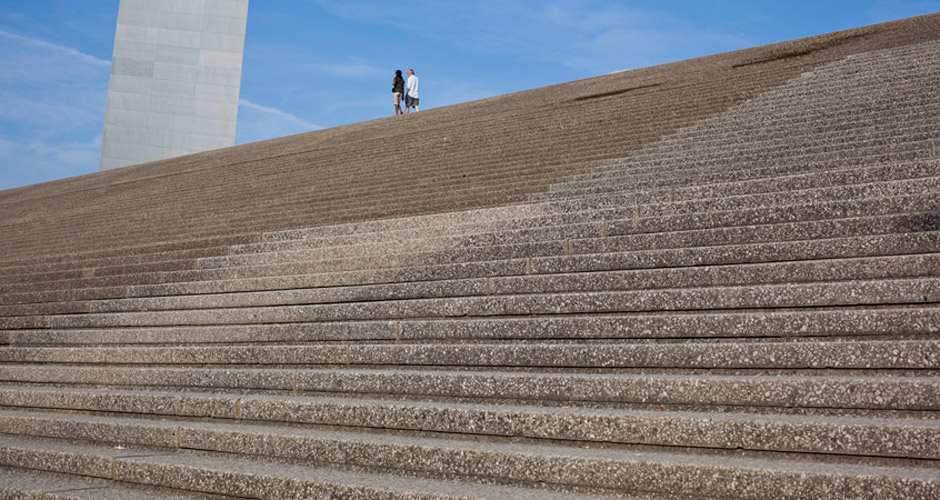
x=925 y=221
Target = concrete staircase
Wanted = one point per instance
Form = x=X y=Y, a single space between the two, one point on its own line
x=746 y=308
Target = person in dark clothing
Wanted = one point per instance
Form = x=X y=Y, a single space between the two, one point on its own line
x=398 y=89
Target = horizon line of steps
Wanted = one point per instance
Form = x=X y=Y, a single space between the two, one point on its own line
x=194 y=188
x=339 y=130
x=686 y=82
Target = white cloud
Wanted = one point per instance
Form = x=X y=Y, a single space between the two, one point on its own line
x=284 y=115
x=452 y=91
x=59 y=110
x=53 y=110
x=303 y=63
x=257 y=123
x=353 y=70
x=23 y=163
x=90 y=59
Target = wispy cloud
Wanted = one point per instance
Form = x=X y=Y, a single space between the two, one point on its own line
x=257 y=123
x=284 y=115
x=31 y=162
x=353 y=70
x=589 y=35
x=55 y=47
x=53 y=110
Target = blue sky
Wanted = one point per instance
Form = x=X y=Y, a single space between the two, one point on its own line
x=312 y=64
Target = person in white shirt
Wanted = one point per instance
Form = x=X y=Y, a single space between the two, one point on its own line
x=411 y=98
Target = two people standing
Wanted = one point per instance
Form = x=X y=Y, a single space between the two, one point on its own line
x=407 y=89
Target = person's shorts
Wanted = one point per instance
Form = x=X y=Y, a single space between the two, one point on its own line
x=411 y=102
x=397 y=100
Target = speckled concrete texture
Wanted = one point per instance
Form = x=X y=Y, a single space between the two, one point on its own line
x=857 y=354
x=837 y=293
x=839 y=436
x=789 y=272
x=849 y=322
x=747 y=478
x=770 y=391
x=19 y=484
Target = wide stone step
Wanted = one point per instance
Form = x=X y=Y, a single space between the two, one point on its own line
x=576 y=239
x=242 y=278
x=918 y=290
x=818 y=100
x=772 y=215
x=779 y=355
x=758 y=180
x=569 y=240
x=689 y=175
x=814 y=433
x=780 y=392
x=566 y=467
x=404 y=244
x=22 y=484
x=743 y=202
x=749 y=127
x=782 y=139
x=76 y=274
x=535 y=216
x=923 y=265
x=332 y=273
x=836 y=131
x=573 y=231
x=529 y=220
x=684 y=176
x=153 y=248
x=831 y=322
x=814 y=95
x=401 y=204
x=736 y=204
x=344 y=272
x=813 y=100
x=131 y=257
x=921 y=146
x=776 y=118
x=248 y=477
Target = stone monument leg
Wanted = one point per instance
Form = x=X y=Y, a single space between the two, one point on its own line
x=175 y=79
